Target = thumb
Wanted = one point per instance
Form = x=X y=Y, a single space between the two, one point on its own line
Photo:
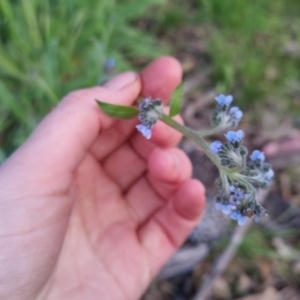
x=63 y=138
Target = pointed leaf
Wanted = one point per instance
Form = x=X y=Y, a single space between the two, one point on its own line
x=176 y=101
x=118 y=111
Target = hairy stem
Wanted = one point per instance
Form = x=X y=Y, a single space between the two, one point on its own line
x=193 y=135
x=208 y=132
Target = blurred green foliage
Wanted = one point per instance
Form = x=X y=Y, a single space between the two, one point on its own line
x=48 y=48
x=251 y=47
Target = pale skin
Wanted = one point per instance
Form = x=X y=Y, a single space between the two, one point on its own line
x=90 y=209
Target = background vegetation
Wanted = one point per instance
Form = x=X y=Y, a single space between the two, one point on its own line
x=48 y=48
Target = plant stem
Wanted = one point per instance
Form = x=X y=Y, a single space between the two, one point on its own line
x=193 y=135
x=224 y=181
x=210 y=131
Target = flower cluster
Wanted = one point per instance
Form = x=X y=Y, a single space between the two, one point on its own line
x=224 y=115
x=231 y=153
x=239 y=178
x=258 y=172
x=150 y=112
x=238 y=202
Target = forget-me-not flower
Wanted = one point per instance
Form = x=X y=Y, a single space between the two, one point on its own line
x=150 y=112
x=237 y=193
x=225 y=208
x=145 y=130
x=269 y=175
x=236 y=196
x=235 y=115
x=233 y=136
x=224 y=100
x=215 y=147
x=241 y=219
x=257 y=156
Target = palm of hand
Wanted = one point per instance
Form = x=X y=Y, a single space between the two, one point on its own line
x=105 y=234
x=115 y=217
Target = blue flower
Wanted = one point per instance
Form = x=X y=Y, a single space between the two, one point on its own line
x=215 y=147
x=145 y=130
x=269 y=175
x=236 y=196
x=236 y=112
x=241 y=219
x=150 y=112
x=224 y=100
x=234 y=215
x=236 y=192
x=225 y=208
x=236 y=115
x=233 y=136
x=257 y=156
x=145 y=103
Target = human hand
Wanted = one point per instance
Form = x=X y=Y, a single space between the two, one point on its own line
x=89 y=209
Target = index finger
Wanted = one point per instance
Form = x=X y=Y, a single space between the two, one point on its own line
x=159 y=79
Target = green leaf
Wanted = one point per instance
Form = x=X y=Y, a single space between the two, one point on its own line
x=118 y=111
x=176 y=101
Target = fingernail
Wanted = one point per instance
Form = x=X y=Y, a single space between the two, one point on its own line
x=120 y=81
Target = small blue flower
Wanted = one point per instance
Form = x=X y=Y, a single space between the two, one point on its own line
x=225 y=208
x=233 y=206
x=218 y=205
x=241 y=219
x=232 y=188
x=239 y=195
x=236 y=115
x=234 y=215
x=236 y=192
x=150 y=112
x=215 y=147
x=269 y=175
x=236 y=112
x=236 y=196
x=224 y=100
x=233 y=136
x=145 y=130
x=257 y=156
x=145 y=103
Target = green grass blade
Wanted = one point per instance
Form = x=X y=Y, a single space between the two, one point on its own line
x=33 y=29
